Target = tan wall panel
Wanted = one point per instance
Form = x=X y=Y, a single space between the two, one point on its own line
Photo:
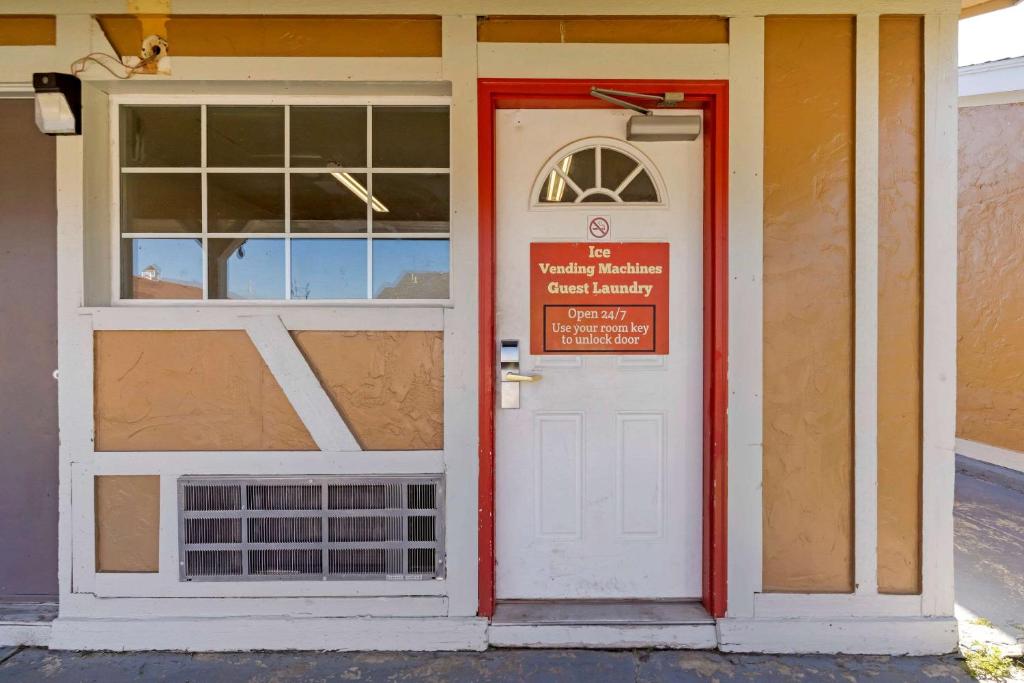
x=498 y=29
x=990 y=306
x=280 y=36
x=900 y=155
x=127 y=523
x=28 y=30
x=808 y=300
x=388 y=386
x=189 y=390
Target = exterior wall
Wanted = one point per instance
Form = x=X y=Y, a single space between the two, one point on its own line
x=127 y=523
x=900 y=237
x=809 y=190
x=808 y=304
x=990 y=305
x=185 y=391
x=387 y=386
x=28 y=356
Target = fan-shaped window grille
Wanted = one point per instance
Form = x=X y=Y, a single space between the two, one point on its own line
x=597 y=173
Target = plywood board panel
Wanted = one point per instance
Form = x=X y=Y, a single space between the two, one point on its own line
x=900 y=281
x=127 y=523
x=388 y=386
x=808 y=304
x=280 y=35
x=189 y=391
x=28 y=30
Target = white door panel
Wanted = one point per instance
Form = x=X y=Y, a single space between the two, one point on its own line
x=598 y=473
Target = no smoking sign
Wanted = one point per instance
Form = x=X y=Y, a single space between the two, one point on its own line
x=598 y=228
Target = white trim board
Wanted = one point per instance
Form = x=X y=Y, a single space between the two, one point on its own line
x=610 y=60
x=865 y=371
x=746 y=313
x=832 y=606
x=294 y=317
x=1005 y=75
x=939 y=348
x=80 y=605
x=523 y=7
x=993 y=455
x=300 y=385
x=886 y=635
x=269 y=633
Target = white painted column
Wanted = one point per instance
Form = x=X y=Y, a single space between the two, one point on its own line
x=865 y=364
x=939 y=366
x=74 y=331
x=746 y=313
x=461 y=432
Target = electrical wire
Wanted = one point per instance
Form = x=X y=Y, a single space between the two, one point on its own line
x=79 y=65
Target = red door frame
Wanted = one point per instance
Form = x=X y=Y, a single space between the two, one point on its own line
x=712 y=98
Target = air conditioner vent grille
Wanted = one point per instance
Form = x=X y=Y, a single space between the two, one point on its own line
x=335 y=528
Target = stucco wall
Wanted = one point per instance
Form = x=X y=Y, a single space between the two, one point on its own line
x=127 y=523
x=184 y=390
x=990 y=302
x=900 y=154
x=388 y=386
x=211 y=390
x=808 y=304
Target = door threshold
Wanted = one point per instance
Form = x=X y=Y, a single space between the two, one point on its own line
x=602 y=624
x=600 y=613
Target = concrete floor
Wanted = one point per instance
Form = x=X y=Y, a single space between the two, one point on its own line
x=493 y=666
x=989 y=538
x=990 y=603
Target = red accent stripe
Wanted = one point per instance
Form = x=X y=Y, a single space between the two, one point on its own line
x=712 y=98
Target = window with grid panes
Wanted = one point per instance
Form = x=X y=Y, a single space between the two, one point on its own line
x=284 y=202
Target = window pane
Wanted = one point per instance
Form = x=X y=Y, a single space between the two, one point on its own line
x=162 y=269
x=410 y=202
x=640 y=189
x=246 y=269
x=410 y=137
x=245 y=202
x=328 y=136
x=581 y=167
x=615 y=167
x=160 y=136
x=328 y=202
x=328 y=269
x=410 y=269
x=245 y=136
x=161 y=202
x=556 y=191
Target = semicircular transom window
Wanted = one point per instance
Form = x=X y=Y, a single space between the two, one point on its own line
x=597 y=174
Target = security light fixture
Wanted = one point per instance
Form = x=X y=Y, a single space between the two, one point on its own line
x=58 y=103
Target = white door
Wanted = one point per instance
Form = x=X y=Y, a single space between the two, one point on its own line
x=598 y=473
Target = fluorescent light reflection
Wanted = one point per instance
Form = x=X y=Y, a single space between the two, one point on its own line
x=556 y=183
x=358 y=190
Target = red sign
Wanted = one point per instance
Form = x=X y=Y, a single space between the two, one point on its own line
x=591 y=297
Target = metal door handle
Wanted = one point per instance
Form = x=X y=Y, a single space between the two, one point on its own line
x=515 y=377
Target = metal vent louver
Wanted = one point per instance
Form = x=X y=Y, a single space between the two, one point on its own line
x=337 y=528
